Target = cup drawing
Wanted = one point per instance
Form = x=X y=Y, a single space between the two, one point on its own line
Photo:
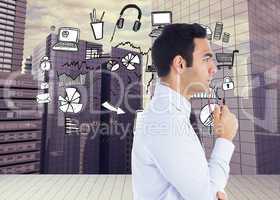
x=97 y=29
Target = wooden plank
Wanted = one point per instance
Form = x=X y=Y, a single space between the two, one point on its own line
x=263 y=191
x=65 y=188
x=266 y=186
x=56 y=188
x=43 y=181
x=90 y=183
x=96 y=191
x=118 y=188
x=80 y=180
x=246 y=188
x=6 y=178
x=48 y=185
x=229 y=195
x=127 y=193
x=234 y=190
x=30 y=181
x=9 y=186
x=108 y=188
x=249 y=188
x=4 y=186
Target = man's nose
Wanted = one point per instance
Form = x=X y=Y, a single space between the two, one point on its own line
x=212 y=69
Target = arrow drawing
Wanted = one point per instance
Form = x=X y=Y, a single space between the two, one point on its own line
x=112 y=108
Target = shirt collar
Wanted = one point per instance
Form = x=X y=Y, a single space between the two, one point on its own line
x=181 y=103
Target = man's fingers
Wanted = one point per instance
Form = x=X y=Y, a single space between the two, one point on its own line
x=217 y=113
x=225 y=109
x=221 y=196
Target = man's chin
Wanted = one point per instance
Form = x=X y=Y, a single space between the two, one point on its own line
x=202 y=90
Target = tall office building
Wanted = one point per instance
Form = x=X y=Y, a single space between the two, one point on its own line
x=12 y=26
x=27 y=68
x=67 y=150
x=20 y=124
x=252 y=28
x=20 y=121
x=122 y=89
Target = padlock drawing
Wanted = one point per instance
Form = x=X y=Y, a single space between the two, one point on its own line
x=228 y=83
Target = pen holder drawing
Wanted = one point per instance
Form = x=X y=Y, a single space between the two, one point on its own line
x=97 y=29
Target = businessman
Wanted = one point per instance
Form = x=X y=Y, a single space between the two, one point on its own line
x=168 y=161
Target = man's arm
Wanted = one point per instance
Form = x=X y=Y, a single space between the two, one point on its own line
x=182 y=162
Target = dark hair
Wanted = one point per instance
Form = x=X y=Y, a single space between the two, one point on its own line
x=175 y=39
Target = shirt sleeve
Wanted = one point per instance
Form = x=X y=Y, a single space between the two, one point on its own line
x=182 y=162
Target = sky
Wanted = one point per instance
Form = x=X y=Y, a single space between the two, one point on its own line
x=41 y=15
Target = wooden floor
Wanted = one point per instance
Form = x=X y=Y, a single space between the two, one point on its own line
x=117 y=187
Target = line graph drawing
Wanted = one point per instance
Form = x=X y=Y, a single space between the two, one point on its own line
x=133 y=46
x=138 y=49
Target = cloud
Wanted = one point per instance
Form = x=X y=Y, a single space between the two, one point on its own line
x=41 y=15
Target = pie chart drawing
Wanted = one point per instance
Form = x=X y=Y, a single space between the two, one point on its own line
x=130 y=60
x=205 y=115
x=71 y=102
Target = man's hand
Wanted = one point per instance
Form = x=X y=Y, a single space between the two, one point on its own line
x=225 y=123
x=221 y=196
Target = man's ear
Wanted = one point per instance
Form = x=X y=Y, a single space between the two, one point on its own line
x=178 y=64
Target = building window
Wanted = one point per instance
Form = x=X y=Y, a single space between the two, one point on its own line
x=5 y=49
x=4 y=10
x=91 y=53
x=10 y=1
x=6 y=33
x=8 y=55
x=4 y=21
x=5 y=66
x=7 y=16
x=6 y=38
x=5 y=5
x=4 y=27
x=6 y=43
x=6 y=60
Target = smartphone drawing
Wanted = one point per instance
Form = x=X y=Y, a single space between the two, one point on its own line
x=218 y=30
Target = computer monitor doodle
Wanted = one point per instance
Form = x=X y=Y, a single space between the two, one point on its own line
x=68 y=39
x=65 y=34
x=68 y=35
x=161 y=18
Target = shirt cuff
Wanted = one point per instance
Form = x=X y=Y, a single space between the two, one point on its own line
x=223 y=149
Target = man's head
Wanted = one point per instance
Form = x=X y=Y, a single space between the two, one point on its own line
x=183 y=58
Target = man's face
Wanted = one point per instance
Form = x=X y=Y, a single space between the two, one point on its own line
x=198 y=77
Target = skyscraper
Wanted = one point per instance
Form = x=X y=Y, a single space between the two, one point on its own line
x=12 y=19
x=69 y=151
x=252 y=28
x=123 y=89
x=20 y=121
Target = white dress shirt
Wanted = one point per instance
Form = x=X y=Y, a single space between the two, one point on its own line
x=168 y=161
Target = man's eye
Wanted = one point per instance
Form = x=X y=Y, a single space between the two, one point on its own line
x=206 y=59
